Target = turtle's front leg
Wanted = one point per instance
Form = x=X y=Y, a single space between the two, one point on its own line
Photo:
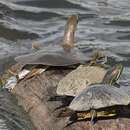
x=93 y=115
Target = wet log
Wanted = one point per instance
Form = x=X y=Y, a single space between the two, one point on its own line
x=34 y=94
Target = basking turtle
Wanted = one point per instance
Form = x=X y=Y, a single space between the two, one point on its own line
x=98 y=101
x=74 y=82
x=13 y=75
x=63 y=54
x=58 y=55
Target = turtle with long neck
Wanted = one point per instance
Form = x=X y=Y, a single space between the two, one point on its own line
x=64 y=53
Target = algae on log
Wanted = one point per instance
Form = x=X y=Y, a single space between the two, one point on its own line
x=33 y=95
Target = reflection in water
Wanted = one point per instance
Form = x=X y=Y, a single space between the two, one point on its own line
x=104 y=25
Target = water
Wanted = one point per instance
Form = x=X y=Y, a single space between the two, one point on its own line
x=12 y=117
x=104 y=25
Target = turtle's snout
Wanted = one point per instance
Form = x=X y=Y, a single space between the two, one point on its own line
x=74 y=18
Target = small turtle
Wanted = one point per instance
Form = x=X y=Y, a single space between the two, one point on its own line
x=74 y=82
x=64 y=54
x=12 y=76
x=99 y=97
x=28 y=71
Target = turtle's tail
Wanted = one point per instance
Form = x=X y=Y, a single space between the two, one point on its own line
x=60 y=98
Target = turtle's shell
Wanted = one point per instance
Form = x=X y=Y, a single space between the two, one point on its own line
x=99 y=96
x=74 y=82
x=54 y=56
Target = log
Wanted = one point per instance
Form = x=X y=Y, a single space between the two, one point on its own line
x=34 y=94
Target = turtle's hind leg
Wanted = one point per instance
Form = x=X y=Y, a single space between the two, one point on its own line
x=66 y=112
x=64 y=99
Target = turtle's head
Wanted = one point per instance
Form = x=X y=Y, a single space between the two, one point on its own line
x=98 y=58
x=70 y=27
x=113 y=74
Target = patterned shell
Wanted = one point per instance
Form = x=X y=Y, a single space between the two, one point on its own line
x=99 y=96
x=74 y=82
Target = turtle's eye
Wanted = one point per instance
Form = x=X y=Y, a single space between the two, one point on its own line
x=101 y=59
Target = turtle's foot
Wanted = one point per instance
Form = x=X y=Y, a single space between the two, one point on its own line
x=66 y=113
x=65 y=100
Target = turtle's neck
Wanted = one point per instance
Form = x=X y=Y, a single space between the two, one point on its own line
x=113 y=74
x=70 y=27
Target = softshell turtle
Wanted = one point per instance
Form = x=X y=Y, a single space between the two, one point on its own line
x=63 y=54
x=58 y=55
x=94 y=100
x=74 y=82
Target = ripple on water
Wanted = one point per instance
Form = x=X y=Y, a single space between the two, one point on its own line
x=3 y=125
x=12 y=117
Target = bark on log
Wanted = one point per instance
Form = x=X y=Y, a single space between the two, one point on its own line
x=33 y=95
